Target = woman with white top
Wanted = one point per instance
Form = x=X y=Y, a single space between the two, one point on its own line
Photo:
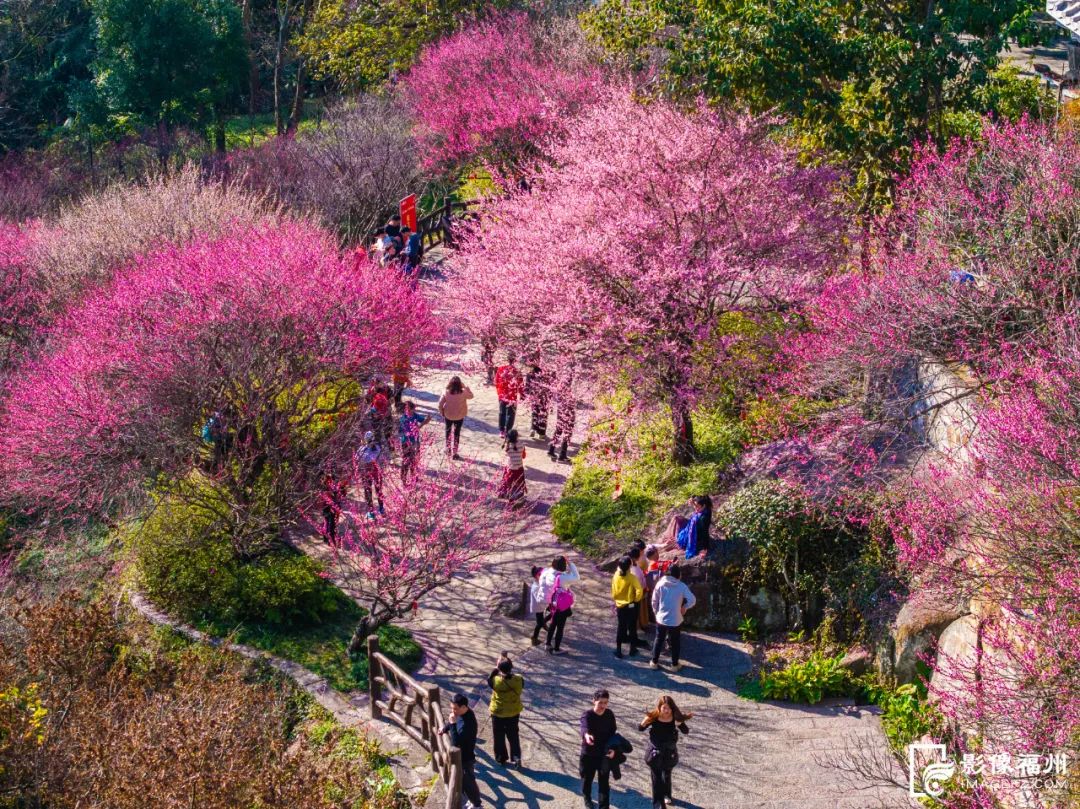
x=553 y=580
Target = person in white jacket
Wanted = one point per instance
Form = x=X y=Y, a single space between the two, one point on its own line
x=557 y=577
x=671 y=599
x=537 y=605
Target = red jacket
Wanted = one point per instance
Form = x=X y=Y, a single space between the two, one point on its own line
x=508 y=384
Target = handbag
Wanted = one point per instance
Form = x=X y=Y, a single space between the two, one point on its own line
x=561 y=600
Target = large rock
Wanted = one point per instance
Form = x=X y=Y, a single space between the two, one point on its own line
x=915 y=630
x=958 y=656
x=858 y=661
x=768 y=608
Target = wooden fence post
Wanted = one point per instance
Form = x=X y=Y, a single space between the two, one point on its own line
x=431 y=696
x=374 y=670
x=453 y=783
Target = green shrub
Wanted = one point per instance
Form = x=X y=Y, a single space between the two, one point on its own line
x=652 y=484
x=187 y=566
x=906 y=715
x=810 y=681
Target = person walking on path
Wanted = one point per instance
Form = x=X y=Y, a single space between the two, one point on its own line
x=597 y=727
x=670 y=601
x=369 y=460
x=506 y=708
x=538 y=392
x=627 y=592
x=512 y=486
x=409 y=433
x=462 y=729
x=379 y=414
x=454 y=407
x=488 y=344
x=664 y=724
x=538 y=605
x=564 y=418
x=400 y=378
x=637 y=556
x=556 y=593
x=508 y=386
x=333 y=498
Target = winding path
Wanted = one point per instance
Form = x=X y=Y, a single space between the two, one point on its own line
x=739 y=754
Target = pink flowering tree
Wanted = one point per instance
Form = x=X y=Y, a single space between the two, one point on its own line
x=493 y=93
x=444 y=522
x=21 y=297
x=652 y=226
x=970 y=299
x=227 y=370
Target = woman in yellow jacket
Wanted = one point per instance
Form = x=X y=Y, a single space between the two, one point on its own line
x=627 y=592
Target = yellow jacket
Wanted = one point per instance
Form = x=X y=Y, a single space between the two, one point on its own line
x=626 y=589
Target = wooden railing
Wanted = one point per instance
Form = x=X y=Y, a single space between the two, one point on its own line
x=416 y=709
x=432 y=227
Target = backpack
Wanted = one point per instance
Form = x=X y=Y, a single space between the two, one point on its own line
x=561 y=600
x=208 y=431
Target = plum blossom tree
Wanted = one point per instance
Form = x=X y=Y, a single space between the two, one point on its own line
x=652 y=225
x=264 y=330
x=21 y=296
x=492 y=92
x=444 y=522
x=976 y=272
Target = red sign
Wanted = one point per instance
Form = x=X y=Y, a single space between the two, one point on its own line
x=408 y=212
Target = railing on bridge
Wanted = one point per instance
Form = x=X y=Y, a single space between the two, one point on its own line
x=437 y=227
x=416 y=709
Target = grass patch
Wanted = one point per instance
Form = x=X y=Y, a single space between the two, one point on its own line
x=248 y=131
x=323 y=647
x=591 y=518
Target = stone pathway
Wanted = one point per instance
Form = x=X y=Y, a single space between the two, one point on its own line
x=739 y=754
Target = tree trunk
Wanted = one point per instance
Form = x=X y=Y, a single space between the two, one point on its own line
x=298 y=94
x=279 y=59
x=163 y=146
x=367 y=625
x=683 y=450
x=253 y=64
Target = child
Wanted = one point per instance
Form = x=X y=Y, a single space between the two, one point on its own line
x=537 y=604
x=512 y=486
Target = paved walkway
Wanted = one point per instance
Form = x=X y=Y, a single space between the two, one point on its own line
x=739 y=754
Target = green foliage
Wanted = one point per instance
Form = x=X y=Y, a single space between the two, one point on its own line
x=166 y=62
x=857 y=81
x=748 y=629
x=359 y=45
x=189 y=567
x=652 y=484
x=906 y=715
x=809 y=681
x=1007 y=95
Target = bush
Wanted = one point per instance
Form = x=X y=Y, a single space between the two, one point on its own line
x=809 y=681
x=90 y=706
x=906 y=716
x=188 y=567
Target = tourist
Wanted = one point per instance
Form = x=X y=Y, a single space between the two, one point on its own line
x=554 y=583
x=670 y=601
x=564 y=418
x=333 y=498
x=409 y=433
x=369 y=460
x=453 y=407
x=637 y=556
x=488 y=344
x=538 y=392
x=400 y=377
x=538 y=605
x=393 y=227
x=691 y=535
x=379 y=413
x=414 y=252
x=597 y=728
x=512 y=486
x=508 y=385
x=461 y=726
x=506 y=708
x=664 y=723
x=626 y=591
x=653 y=572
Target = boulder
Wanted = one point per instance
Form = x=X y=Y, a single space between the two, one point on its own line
x=958 y=656
x=917 y=627
x=768 y=608
x=857 y=661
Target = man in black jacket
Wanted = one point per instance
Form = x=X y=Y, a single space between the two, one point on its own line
x=462 y=730
x=597 y=728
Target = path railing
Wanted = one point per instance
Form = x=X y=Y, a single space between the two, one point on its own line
x=437 y=227
x=416 y=709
